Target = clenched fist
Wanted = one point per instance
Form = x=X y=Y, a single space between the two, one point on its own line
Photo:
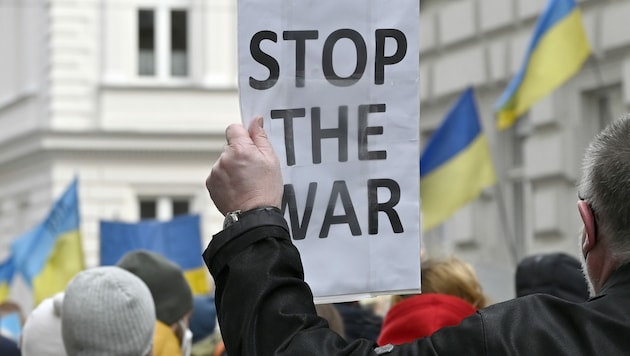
x=247 y=174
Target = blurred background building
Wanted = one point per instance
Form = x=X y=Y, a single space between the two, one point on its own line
x=133 y=96
x=482 y=43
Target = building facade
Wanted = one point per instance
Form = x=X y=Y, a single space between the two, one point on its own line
x=481 y=43
x=132 y=97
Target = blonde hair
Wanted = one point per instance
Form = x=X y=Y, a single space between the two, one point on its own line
x=450 y=276
x=331 y=314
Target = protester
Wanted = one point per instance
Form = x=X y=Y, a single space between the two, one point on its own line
x=450 y=293
x=173 y=300
x=557 y=274
x=107 y=311
x=41 y=335
x=454 y=277
x=359 y=322
x=265 y=307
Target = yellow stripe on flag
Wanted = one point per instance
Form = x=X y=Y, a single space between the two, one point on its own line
x=455 y=183
x=4 y=292
x=66 y=260
x=198 y=280
x=559 y=55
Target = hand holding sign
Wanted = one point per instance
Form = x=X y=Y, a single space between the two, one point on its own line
x=257 y=182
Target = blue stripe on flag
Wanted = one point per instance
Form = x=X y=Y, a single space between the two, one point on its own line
x=455 y=134
x=31 y=250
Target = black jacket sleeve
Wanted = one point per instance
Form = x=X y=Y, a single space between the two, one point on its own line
x=264 y=306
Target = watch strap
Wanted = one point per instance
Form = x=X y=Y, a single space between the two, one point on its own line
x=235 y=216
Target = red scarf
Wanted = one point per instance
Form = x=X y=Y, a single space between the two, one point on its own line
x=421 y=316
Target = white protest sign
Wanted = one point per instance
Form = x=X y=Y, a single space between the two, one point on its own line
x=337 y=84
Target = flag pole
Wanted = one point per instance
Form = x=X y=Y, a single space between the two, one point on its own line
x=512 y=246
x=505 y=225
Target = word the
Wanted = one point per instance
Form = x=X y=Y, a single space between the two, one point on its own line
x=340 y=132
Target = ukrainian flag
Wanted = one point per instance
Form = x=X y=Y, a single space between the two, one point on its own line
x=456 y=164
x=557 y=51
x=178 y=240
x=7 y=269
x=49 y=255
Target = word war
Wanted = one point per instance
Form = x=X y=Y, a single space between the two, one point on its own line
x=339 y=192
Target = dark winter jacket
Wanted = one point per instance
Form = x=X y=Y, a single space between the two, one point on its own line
x=265 y=308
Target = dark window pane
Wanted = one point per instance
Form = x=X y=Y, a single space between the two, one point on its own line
x=148 y=209
x=181 y=207
x=146 y=42
x=179 y=43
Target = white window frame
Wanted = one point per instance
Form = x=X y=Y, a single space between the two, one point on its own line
x=162 y=11
x=164 y=205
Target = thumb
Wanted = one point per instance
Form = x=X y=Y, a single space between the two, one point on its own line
x=258 y=134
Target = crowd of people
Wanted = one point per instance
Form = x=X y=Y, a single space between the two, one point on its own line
x=143 y=305
x=265 y=307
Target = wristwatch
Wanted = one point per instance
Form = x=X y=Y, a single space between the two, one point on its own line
x=234 y=216
x=231 y=218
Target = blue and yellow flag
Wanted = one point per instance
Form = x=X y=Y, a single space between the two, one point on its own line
x=179 y=240
x=456 y=164
x=557 y=51
x=49 y=255
x=7 y=269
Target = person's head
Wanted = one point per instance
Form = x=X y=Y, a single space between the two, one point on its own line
x=41 y=335
x=171 y=293
x=604 y=204
x=107 y=311
x=450 y=276
x=450 y=293
x=556 y=274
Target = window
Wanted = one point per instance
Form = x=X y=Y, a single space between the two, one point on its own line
x=163 y=49
x=146 y=42
x=608 y=104
x=179 y=43
x=180 y=207
x=148 y=209
x=163 y=208
x=600 y=107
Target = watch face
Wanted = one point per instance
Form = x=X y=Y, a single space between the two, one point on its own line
x=231 y=218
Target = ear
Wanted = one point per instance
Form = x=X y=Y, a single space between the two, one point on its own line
x=589 y=238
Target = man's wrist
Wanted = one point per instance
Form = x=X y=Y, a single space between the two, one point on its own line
x=253 y=225
x=234 y=216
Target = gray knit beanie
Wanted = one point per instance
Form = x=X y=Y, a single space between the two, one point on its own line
x=169 y=288
x=107 y=311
